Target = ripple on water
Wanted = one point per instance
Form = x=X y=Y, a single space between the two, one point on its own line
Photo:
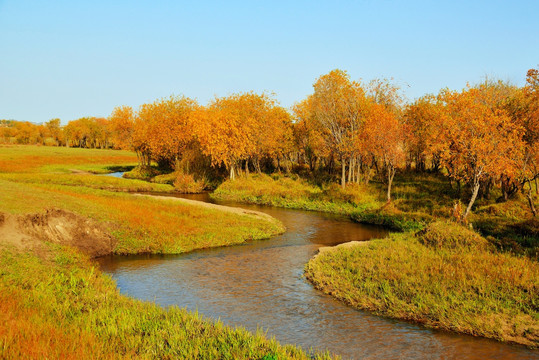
x=261 y=285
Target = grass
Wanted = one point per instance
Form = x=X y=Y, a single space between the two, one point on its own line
x=56 y=304
x=418 y=199
x=87 y=180
x=294 y=193
x=444 y=277
x=140 y=224
x=63 y=307
x=35 y=159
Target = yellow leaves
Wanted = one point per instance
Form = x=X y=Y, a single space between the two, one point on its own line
x=244 y=125
x=164 y=128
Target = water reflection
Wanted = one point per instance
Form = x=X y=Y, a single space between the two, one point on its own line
x=261 y=285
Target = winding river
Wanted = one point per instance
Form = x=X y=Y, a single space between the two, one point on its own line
x=260 y=285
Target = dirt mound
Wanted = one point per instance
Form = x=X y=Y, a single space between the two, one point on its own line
x=55 y=226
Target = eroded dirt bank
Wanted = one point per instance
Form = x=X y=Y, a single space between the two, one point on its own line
x=30 y=232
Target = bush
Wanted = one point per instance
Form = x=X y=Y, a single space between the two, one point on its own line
x=444 y=234
x=392 y=218
x=165 y=178
x=141 y=173
x=186 y=184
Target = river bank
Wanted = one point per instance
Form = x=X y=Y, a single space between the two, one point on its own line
x=55 y=303
x=451 y=285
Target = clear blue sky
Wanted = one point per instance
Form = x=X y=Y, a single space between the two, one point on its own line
x=70 y=59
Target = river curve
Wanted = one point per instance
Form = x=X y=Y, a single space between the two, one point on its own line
x=261 y=285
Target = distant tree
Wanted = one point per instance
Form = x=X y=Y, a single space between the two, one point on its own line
x=55 y=130
x=121 y=126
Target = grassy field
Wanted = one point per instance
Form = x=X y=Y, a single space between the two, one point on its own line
x=62 y=307
x=295 y=193
x=139 y=224
x=444 y=277
x=35 y=159
x=57 y=304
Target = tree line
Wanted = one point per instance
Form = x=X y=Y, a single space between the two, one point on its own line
x=483 y=136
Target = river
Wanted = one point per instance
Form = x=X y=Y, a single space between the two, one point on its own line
x=261 y=285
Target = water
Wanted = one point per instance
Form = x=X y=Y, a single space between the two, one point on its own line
x=261 y=285
x=117 y=174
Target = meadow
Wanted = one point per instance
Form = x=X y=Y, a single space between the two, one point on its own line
x=59 y=291
x=444 y=277
x=63 y=307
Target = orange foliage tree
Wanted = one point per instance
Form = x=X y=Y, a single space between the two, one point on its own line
x=382 y=136
x=168 y=128
x=475 y=140
x=309 y=140
x=121 y=125
x=337 y=107
x=242 y=126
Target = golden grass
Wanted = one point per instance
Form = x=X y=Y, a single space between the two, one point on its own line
x=63 y=308
x=452 y=286
x=28 y=158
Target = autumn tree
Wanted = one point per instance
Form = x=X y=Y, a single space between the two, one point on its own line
x=337 y=106
x=233 y=129
x=419 y=125
x=121 y=126
x=55 y=130
x=523 y=106
x=169 y=131
x=308 y=136
x=140 y=142
x=475 y=140
x=382 y=136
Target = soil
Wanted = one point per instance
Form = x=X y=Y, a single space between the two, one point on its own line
x=324 y=249
x=31 y=232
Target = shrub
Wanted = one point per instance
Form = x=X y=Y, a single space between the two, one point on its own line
x=186 y=184
x=444 y=234
x=142 y=173
x=165 y=178
x=392 y=218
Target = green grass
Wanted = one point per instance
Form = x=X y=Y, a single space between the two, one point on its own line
x=34 y=159
x=443 y=278
x=140 y=224
x=418 y=199
x=58 y=305
x=294 y=193
x=63 y=307
x=87 y=180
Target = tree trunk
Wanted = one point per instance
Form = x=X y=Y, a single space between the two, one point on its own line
x=358 y=172
x=390 y=176
x=343 y=177
x=247 y=167
x=257 y=165
x=530 y=200
x=475 y=190
x=350 y=169
x=232 y=172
